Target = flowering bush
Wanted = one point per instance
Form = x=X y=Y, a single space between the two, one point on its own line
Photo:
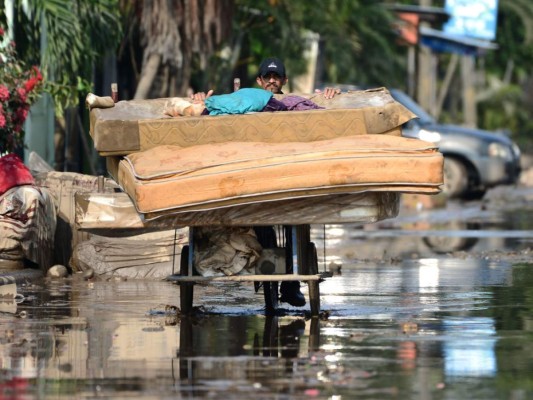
x=20 y=86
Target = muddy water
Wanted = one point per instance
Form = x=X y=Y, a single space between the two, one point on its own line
x=400 y=319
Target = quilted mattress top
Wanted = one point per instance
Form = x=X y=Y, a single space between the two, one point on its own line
x=139 y=125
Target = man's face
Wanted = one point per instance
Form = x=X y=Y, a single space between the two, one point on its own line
x=271 y=82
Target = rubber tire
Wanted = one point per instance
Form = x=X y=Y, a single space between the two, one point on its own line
x=271 y=294
x=475 y=194
x=314 y=291
x=184 y=260
x=445 y=244
x=455 y=178
x=186 y=288
x=312 y=259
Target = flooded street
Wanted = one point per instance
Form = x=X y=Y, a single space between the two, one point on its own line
x=419 y=307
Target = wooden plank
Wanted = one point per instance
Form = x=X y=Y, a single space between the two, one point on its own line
x=247 y=278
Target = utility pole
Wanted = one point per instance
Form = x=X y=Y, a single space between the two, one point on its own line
x=426 y=85
x=468 y=83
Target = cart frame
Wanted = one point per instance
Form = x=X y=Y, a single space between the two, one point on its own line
x=305 y=269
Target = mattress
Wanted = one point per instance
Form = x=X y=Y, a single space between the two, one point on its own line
x=138 y=125
x=183 y=179
x=112 y=213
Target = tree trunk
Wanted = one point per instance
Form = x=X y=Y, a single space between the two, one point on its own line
x=181 y=36
x=147 y=76
x=59 y=143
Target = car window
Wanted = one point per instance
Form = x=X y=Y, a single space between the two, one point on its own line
x=408 y=102
x=411 y=128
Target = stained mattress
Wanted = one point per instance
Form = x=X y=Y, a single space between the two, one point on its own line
x=138 y=125
x=108 y=213
x=182 y=179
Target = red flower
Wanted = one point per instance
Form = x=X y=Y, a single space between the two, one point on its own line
x=4 y=93
x=34 y=80
x=20 y=87
x=22 y=94
x=17 y=128
x=37 y=73
x=21 y=113
x=30 y=84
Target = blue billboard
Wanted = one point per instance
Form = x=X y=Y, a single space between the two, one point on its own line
x=472 y=18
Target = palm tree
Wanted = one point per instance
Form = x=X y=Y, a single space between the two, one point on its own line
x=67 y=39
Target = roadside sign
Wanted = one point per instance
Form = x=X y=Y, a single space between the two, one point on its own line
x=472 y=18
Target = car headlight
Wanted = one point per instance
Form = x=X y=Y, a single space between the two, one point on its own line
x=429 y=136
x=500 y=150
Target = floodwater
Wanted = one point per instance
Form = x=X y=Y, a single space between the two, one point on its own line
x=408 y=314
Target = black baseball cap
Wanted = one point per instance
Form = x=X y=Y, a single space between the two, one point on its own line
x=271 y=64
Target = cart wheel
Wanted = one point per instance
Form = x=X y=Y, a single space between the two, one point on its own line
x=270 y=291
x=186 y=288
x=314 y=291
x=314 y=298
x=312 y=259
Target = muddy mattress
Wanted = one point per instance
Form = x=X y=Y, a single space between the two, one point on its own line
x=209 y=176
x=138 y=125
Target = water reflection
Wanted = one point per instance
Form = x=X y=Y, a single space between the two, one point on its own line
x=470 y=347
x=244 y=354
x=440 y=231
x=415 y=328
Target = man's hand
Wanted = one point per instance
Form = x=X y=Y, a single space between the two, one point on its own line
x=329 y=92
x=201 y=96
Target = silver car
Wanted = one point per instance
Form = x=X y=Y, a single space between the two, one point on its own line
x=474 y=159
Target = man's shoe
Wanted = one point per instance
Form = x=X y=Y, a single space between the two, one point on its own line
x=290 y=293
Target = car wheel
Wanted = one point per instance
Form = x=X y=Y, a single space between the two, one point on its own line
x=455 y=178
x=475 y=194
x=449 y=244
x=443 y=244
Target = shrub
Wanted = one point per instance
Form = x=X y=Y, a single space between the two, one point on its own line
x=20 y=87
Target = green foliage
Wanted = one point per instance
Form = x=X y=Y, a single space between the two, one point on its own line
x=356 y=38
x=359 y=45
x=20 y=86
x=65 y=93
x=513 y=40
x=273 y=28
x=507 y=110
x=76 y=34
x=508 y=99
x=509 y=74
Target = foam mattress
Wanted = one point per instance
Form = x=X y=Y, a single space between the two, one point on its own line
x=138 y=125
x=108 y=213
x=182 y=179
